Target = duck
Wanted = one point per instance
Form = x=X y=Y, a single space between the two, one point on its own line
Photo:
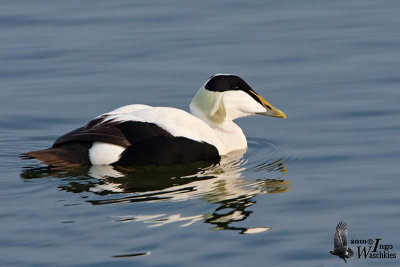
x=138 y=134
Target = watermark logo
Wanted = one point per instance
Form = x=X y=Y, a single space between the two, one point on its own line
x=341 y=248
x=372 y=248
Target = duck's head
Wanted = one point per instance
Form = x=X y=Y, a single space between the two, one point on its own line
x=228 y=97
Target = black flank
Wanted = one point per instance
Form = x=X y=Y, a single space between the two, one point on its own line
x=164 y=150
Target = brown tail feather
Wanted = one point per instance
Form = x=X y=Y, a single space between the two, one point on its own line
x=51 y=156
x=66 y=155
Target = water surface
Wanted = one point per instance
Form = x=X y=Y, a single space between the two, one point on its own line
x=332 y=67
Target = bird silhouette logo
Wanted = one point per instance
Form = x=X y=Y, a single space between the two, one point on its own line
x=340 y=242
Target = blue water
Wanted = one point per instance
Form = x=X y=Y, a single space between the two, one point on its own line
x=331 y=66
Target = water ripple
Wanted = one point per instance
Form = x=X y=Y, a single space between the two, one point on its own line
x=231 y=184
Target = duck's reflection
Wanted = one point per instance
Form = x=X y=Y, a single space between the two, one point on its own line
x=222 y=184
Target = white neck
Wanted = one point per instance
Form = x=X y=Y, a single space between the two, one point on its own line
x=230 y=135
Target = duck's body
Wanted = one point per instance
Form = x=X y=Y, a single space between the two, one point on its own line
x=142 y=135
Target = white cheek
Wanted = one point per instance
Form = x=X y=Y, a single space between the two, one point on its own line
x=239 y=104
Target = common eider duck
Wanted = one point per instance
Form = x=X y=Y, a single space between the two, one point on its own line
x=138 y=134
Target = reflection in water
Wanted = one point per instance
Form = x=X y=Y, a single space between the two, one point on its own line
x=220 y=184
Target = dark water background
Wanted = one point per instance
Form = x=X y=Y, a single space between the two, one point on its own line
x=332 y=66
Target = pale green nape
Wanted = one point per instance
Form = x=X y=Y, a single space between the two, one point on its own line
x=210 y=104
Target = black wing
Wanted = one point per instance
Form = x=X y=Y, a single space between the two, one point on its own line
x=340 y=240
x=122 y=133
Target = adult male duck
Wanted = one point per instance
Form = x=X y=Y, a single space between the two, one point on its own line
x=144 y=135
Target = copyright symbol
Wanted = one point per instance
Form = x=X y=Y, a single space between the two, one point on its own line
x=370 y=241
